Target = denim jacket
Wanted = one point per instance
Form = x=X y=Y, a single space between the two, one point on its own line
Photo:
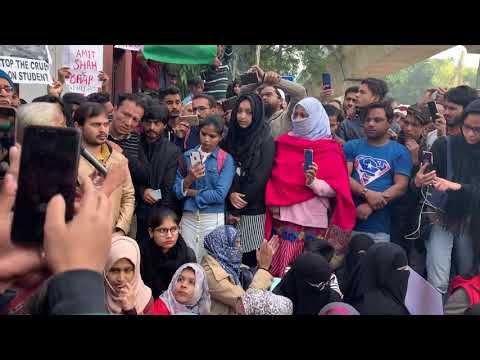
x=212 y=189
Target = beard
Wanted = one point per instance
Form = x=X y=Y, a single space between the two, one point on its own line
x=269 y=110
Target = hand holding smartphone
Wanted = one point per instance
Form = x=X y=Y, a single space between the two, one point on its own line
x=327 y=81
x=432 y=108
x=427 y=158
x=248 y=78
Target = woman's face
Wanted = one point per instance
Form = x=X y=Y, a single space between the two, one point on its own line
x=121 y=273
x=165 y=235
x=209 y=138
x=185 y=286
x=236 y=89
x=300 y=113
x=244 y=114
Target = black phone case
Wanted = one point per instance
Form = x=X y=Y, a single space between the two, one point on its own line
x=28 y=221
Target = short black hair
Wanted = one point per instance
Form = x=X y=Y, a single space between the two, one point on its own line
x=211 y=100
x=50 y=99
x=214 y=120
x=74 y=98
x=99 y=97
x=158 y=216
x=378 y=87
x=88 y=110
x=156 y=112
x=171 y=90
x=382 y=105
x=352 y=89
x=195 y=81
x=461 y=95
x=333 y=111
x=131 y=97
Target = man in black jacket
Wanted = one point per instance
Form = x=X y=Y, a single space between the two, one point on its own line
x=163 y=157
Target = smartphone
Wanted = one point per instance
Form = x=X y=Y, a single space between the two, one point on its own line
x=192 y=120
x=327 y=81
x=432 y=108
x=195 y=158
x=157 y=194
x=229 y=104
x=248 y=78
x=48 y=166
x=427 y=157
x=7 y=137
x=308 y=159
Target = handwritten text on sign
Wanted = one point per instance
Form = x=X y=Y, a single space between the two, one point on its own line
x=85 y=62
x=26 y=71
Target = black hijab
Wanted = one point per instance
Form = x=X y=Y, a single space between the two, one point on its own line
x=158 y=268
x=301 y=284
x=357 y=249
x=380 y=287
x=242 y=143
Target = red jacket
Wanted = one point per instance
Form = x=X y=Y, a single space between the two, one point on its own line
x=159 y=308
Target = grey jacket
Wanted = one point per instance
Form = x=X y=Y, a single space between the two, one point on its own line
x=281 y=121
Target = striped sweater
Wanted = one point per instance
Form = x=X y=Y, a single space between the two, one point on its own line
x=217 y=79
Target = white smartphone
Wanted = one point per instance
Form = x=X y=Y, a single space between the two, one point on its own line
x=195 y=158
x=157 y=194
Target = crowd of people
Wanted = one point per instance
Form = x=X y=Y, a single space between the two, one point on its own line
x=225 y=215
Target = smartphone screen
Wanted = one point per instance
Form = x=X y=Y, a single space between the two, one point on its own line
x=248 y=78
x=308 y=159
x=7 y=137
x=432 y=108
x=48 y=166
x=427 y=157
x=229 y=103
x=327 y=80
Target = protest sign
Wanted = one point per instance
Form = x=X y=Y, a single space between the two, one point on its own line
x=422 y=298
x=26 y=64
x=85 y=63
x=130 y=47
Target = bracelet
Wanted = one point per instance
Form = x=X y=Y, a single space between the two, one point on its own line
x=264 y=269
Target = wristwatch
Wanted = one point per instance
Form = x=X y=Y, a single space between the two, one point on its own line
x=364 y=191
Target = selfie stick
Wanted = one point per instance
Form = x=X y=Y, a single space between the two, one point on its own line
x=94 y=162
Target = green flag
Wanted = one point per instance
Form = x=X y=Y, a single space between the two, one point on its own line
x=181 y=54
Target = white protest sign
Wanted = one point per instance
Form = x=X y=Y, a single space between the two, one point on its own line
x=85 y=63
x=130 y=47
x=26 y=64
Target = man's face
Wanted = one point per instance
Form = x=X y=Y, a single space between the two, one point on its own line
x=349 y=103
x=201 y=108
x=196 y=89
x=174 y=105
x=271 y=100
x=452 y=112
x=365 y=96
x=127 y=117
x=95 y=130
x=376 y=124
x=471 y=129
x=153 y=129
x=412 y=128
x=6 y=92
x=121 y=273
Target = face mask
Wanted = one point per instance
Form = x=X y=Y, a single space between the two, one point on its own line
x=302 y=127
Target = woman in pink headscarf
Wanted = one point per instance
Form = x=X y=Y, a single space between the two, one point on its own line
x=125 y=292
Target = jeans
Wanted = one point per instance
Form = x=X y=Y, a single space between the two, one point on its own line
x=376 y=237
x=439 y=255
x=194 y=227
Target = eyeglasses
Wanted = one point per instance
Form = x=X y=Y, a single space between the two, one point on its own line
x=8 y=89
x=476 y=130
x=165 y=231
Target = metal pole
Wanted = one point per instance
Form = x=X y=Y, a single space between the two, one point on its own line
x=258 y=55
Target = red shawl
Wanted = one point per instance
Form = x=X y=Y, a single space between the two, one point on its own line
x=286 y=185
x=471 y=286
